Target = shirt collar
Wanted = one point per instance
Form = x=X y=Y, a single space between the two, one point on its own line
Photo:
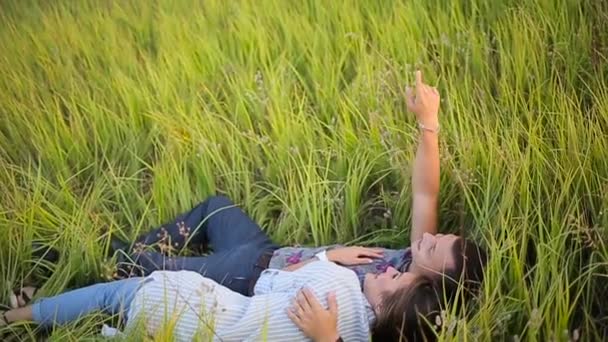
x=406 y=260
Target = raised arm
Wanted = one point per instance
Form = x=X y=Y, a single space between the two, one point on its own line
x=424 y=102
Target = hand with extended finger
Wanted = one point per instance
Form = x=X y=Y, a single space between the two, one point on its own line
x=424 y=102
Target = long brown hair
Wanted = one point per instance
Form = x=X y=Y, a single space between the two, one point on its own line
x=409 y=313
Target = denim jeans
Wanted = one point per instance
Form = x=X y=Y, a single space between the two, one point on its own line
x=237 y=243
x=111 y=298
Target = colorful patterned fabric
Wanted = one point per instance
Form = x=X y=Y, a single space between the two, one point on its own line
x=399 y=259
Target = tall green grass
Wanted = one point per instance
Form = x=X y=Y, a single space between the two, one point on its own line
x=117 y=115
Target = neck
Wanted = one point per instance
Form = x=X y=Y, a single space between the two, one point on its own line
x=414 y=268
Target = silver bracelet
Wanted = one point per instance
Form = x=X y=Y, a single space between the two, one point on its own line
x=429 y=129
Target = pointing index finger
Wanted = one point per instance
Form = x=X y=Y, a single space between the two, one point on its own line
x=418 y=78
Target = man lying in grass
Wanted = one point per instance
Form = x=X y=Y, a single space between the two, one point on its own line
x=193 y=307
x=242 y=251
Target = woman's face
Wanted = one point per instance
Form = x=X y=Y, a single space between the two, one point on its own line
x=377 y=285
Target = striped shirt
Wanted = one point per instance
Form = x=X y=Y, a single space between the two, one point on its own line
x=198 y=308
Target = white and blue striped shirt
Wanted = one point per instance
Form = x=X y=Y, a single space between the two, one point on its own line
x=198 y=308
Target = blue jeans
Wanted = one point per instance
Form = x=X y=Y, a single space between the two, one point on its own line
x=237 y=243
x=110 y=298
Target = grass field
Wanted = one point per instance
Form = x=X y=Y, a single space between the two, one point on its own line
x=117 y=115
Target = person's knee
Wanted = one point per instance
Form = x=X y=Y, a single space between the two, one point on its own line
x=114 y=295
x=99 y=294
x=218 y=202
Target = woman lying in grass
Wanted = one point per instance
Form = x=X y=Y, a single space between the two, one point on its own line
x=193 y=307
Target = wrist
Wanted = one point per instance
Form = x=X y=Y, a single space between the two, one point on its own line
x=428 y=119
x=330 y=338
x=428 y=122
x=329 y=255
x=428 y=128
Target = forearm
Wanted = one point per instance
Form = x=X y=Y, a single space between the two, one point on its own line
x=425 y=186
x=425 y=175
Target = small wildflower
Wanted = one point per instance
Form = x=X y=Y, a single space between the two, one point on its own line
x=535 y=318
x=341 y=199
x=165 y=247
x=451 y=326
x=259 y=79
x=387 y=214
x=445 y=40
x=476 y=332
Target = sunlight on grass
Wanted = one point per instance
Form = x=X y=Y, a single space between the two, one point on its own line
x=116 y=116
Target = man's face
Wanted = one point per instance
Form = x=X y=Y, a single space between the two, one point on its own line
x=432 y=254
x=377 y=285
